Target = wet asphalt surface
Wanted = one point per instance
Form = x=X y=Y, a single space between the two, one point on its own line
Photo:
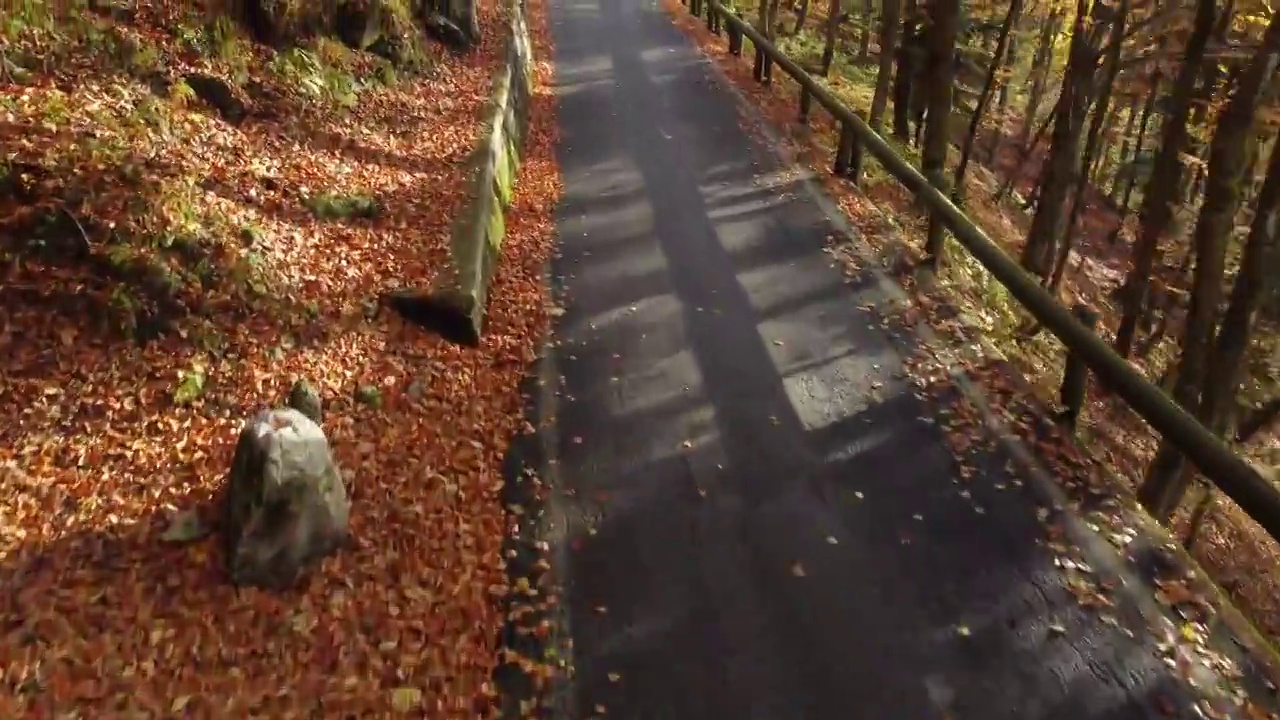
x=756 y=516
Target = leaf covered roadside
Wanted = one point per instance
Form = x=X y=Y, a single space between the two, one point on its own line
x=202 y=228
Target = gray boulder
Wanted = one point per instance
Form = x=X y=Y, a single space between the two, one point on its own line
x=284 y=505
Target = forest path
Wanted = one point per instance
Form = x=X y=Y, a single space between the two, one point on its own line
x=757 y=516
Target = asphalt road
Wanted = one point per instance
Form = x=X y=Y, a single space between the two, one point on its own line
x=759 y=519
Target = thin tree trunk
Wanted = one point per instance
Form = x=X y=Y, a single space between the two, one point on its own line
x=944 y=22
x=1039 y=73
x=1010 y=60
x=1253 y=281
x=1147 y=108
x=889 y=25
x=829 y=48
x=1024 y=154
x=1010 y=19
x=864 y=48
x=1257 y=420
x=1130 y=124
x=1101 y=109
x=1062 y=165
x=904 y=75
x=1166 y=484
x=801 y=15
x=1157 y=201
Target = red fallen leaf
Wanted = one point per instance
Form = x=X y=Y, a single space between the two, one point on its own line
x=113 y=603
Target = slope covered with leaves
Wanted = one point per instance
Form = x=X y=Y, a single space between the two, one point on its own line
x=167 y=269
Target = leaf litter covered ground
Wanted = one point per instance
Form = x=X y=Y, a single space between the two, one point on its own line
x=165 y=274
x=968 y=308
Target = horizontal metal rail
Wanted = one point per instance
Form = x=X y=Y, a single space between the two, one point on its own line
x=1223 y=467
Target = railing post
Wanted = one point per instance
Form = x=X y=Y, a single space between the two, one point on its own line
x=711 y=17
x=757 y=70
x=1075 y=376
x=806 y=100
x=844 y=154
x=735 y=40
x=855 y=162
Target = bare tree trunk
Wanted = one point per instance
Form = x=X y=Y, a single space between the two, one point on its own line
x=1126 y=142
x=1166 y=484
x=1260 y=417
x=997 y=61
x=1039 y=73
x=902 y=78
x=1010 y=60
x=1253 y=281
x=1147 y=108
x=829 y=47
x=1101 y=109
x=1062 y=165
x=1157 y=201
x=889 y=24
x=864 y=47
x=944 y=25
x=802 y=13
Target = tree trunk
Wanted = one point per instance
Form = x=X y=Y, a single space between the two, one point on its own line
x=1210 y=76
x=864 y=47
x=944 y=25
x=771 y=34
x=761 y=69
x=1143 y=124
x=1259 y=418
x=1100 y=112
x=997 y=62
x=829 y=46
x=889 y=24
x=802 y=14
x=1166 y=484
x=1253 y=281
x=1157 y=201
x=904 y=75
x=1062 y=165
x=1126 y=142
x=1102 y=157
x=1010 y=60
x=1039 y=73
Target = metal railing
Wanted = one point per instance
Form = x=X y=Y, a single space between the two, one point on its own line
x=1219 y=464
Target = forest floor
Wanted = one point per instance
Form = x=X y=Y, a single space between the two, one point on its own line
x=165 y=273
x=967 y=305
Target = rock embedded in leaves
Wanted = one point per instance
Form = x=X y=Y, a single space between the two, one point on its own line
x=359 y=23
x=369 y=395
x=219 y=94
x=285 y=505
x=447 y=32
x=304 y=398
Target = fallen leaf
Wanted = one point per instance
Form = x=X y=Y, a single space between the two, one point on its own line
x=404 y=699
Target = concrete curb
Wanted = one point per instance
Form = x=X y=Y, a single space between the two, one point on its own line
x=455 y=304
x=1229 y=630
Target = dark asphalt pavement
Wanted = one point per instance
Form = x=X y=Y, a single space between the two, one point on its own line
x=757 y=519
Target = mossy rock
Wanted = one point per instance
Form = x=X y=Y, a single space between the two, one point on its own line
x=327 y=206
x=400 y=40
x=283 y=22
x=359 y=23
